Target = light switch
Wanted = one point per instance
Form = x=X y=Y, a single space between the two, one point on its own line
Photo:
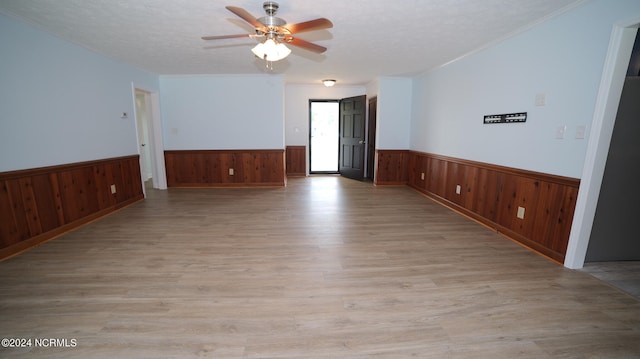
x=560 y=130
x=541 y=99
x=520 y=213
x=580 y=132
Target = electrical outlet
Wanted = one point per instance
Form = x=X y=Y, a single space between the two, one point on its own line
x=458 y=189
x=230 y=171
x=422 y=176
x=520 y=213
x=113 y=189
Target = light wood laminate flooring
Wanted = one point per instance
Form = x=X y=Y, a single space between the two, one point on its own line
x=624 y=275
x=324 y=268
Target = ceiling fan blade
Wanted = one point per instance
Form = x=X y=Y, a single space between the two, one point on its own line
x=246 y=16
x=305 y=44
x=231 y=36
x=317 y=24
x=225 y=37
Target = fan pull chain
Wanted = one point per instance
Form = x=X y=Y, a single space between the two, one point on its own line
x=267 y=64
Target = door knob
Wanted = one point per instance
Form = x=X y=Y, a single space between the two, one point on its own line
x=361 y=142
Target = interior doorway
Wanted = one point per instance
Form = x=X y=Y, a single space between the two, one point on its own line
x=613 y=234
x=142 y=123
x=371 y=138
x=612 y=82
x=323 y=136
x=146 y=104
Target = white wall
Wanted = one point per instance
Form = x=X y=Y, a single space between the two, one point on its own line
x=297 y=107
x=394 y=113
x=62 y=103
x=561 y=58
x=222 y=112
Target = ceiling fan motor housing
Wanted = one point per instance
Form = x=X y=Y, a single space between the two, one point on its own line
x=271 y=21
x=270 y=7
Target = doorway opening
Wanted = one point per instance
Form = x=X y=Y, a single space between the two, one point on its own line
x=149 y=135
x=606 y=108
x=372 y=115
x=142 y=122
x=324 y=132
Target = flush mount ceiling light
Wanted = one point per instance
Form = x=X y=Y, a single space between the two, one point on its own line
x=329 y=82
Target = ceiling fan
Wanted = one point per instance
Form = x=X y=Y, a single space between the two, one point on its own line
x=276 y=32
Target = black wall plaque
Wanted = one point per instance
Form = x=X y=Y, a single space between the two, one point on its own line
x=506 y=118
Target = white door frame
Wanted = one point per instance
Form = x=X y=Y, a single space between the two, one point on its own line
x=156 y=145
x=614 y=72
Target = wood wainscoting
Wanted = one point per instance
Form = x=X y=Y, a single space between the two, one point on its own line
x=212 y=168
x=296 y=161
x=41 y=203
x=391 y=167
x=492 y=195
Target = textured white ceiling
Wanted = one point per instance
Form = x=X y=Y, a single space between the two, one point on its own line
x=370 y=38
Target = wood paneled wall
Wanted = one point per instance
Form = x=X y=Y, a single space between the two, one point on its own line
x=210 y=168
x=391 y=167
x=39 y=204
x=491 y=195
x=296 y=161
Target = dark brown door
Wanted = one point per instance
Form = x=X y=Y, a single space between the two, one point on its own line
x=371 y=138
x=352 y=141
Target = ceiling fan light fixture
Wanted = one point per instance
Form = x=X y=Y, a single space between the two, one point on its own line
x=271 y=51
x=329 y=82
